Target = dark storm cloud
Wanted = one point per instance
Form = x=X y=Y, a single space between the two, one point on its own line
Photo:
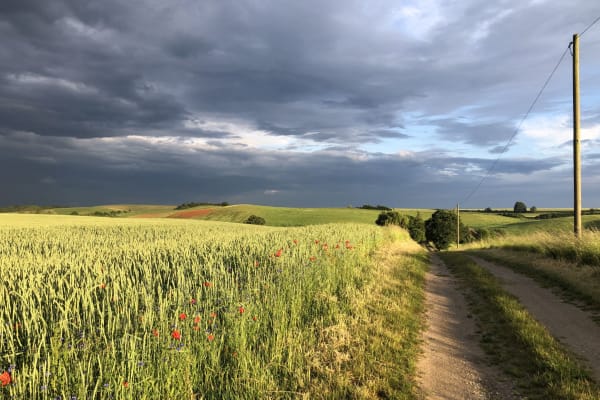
x=83 y=83
x=131 y=169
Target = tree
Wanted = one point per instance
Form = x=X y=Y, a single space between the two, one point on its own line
x=520 y=207
x=533 y=209
x=255 y=220
x=488 y=210
x=440 y=229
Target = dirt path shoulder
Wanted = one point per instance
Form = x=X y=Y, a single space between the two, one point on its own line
x=453 y=365
x=569 y=324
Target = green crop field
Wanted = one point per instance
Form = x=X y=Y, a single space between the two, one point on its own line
x=124 y=308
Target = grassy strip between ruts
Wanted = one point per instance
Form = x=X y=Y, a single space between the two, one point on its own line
x=519 y=344
x=577 y=283
x=372 y=353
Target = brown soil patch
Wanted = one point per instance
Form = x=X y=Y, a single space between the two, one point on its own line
x=192 y=213
x=453 y=365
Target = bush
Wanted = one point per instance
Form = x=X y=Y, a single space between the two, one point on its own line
x=392 y=218
x=416 y=228
x=255 y=220
x=414 y=225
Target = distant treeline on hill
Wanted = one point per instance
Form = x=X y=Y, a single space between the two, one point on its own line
x=194 y=204
x=377 y=207
x=26 y=209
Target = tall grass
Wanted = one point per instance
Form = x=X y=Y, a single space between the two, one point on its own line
x=171 y=310
x=557 y=245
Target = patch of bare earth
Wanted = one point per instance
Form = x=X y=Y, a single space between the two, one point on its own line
x=453 y=365
x=572 y=326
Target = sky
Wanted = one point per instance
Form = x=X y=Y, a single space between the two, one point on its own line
x=311 y=103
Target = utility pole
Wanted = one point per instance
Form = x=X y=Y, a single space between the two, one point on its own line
x=457 y=225
x=576 y=149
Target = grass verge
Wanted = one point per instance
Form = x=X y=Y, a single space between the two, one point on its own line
x=576 y=283
x=518 y=343
x=372 y=353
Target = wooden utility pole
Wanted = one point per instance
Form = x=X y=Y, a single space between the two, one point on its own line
x=457 y=225
x=576 y=149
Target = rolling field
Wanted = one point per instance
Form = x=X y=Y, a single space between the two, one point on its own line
x=104 y=308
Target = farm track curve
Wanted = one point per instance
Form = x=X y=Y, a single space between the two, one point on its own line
x=453 y=365
x=572 y=326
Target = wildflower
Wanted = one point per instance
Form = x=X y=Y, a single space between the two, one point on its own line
x=313 y=258
x=182 y=316
x=197 y=319
x=125 y=384
x=241 y=310
x=155 y=332
x=213 y=314
x=256 y=263
x=207 y=284
x=210 y=337
x=316 y=242
x=176 y=335
x=278 y=253
x=193 y=301
x=5 y=378
x=295 y=241
x=102 y=285
x=196 y=327
x=254 y=318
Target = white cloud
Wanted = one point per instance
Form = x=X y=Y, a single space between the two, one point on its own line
x=36 y=79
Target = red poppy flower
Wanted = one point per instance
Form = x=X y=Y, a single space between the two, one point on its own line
x=193 y=301
x=295 y=241
x=197 y=319
x=241 y=310
x=176 y=335
x=213 y=314
x=182 y=316
x=278 y=253
x=316 y=242
x=207 y=284
x=155 y=332
x=313 y=258
x=5 y=378
x=254 y=318
x=102 y=285
x=256 y=263
x=125 y=384
x=337 y=246
x=210 y=337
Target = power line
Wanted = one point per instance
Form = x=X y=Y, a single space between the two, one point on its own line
x=589 y=26
x=505 y=148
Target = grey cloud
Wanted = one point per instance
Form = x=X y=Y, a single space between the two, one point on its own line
x=342 y=74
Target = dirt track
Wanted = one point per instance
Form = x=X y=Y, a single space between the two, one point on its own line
x=453 y=365
x=572 y=326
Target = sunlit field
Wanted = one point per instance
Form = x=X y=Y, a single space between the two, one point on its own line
x=100 y=308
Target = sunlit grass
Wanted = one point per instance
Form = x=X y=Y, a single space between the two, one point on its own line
x=167 y=309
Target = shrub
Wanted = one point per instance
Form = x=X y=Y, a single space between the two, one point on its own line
x=416 y=228
x=255 y=220
x=392 y=218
